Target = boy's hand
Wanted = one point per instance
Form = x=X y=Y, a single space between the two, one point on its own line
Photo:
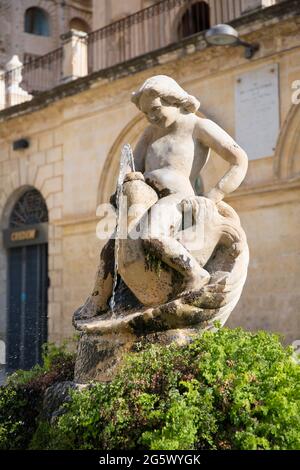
x=196 y=204
x=134 y=175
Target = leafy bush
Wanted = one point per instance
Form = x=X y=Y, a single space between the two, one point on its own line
x=21 y=398
x=229 y=389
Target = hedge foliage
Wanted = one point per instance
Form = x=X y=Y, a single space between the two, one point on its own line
x=22 y=396
x=229 y=389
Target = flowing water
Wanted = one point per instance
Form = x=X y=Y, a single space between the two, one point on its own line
x=126 y=165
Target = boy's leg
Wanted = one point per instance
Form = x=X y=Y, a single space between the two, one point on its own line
x=159 y=239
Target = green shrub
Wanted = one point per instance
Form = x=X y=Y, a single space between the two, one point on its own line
x=229 y=389
x=21 y=398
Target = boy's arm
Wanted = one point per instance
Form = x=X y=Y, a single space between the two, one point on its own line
x=212 y=135
x=140 y=150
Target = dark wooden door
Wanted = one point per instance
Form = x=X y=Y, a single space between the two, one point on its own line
x=27 y=306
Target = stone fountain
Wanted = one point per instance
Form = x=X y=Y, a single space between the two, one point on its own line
x=177 y=261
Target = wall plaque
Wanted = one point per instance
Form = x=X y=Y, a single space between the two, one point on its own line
x=257 y=111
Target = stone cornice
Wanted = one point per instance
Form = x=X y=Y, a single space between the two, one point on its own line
x=279 y=185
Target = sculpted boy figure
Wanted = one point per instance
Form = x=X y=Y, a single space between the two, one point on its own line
x=170 y=154
x=168 y=157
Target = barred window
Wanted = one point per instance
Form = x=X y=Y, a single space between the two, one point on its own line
x=30 y=209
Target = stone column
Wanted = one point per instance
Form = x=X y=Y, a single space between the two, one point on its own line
x=75 y=63
x=249 y=5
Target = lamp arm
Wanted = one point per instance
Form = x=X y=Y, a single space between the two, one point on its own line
x=250 y=49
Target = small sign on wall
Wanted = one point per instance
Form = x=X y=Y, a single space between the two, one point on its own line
x=23 y=235
x=26 y=235
x=257 y=111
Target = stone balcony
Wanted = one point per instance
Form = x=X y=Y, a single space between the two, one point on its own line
x=156 y=29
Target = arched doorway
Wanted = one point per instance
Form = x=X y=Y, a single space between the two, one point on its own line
x=26 y=241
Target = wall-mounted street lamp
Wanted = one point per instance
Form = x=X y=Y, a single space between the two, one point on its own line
x=225 y=35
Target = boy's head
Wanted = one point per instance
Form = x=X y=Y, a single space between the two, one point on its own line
x=161 y=99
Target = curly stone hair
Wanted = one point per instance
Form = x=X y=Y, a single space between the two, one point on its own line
x=167 y=89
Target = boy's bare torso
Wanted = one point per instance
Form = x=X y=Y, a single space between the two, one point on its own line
x=174 y=157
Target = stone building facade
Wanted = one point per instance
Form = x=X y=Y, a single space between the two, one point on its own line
x=57 y=18
x=76 y=131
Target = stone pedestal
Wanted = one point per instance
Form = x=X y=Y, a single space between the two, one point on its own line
x=250 y=5
x=100 y=355
x=14 y=92
x=75 y=63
